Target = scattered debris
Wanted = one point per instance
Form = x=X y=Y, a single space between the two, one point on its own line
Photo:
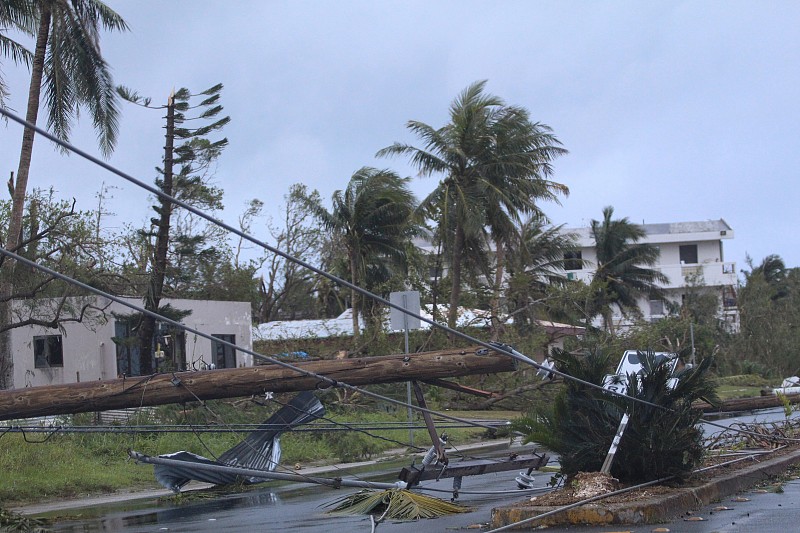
x=396 y=504
x=260 y=450
x=588 y=484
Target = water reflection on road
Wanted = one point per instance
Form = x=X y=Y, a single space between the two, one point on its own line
x=291 y=507
x=300 y=507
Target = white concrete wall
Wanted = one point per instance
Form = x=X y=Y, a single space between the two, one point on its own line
x=216 y=318
x=90 y=354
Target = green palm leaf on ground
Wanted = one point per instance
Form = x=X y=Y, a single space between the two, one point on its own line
x=397 y=504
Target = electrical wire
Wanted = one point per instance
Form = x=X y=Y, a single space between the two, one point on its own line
x=527 y=521
x=211 y=428
x=499 y=348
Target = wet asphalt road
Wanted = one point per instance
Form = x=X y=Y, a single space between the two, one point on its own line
x=300 y=507
x=291 y=508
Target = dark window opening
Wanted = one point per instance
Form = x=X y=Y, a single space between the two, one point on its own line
x=728 y=297
x=688 y=254
x=573 y=261
x=223 y=355
x=656 y=307
x=127 y=343
x=48 y=351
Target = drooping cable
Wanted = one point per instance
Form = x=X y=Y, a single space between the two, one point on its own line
x=499 y=348
x=340 y=281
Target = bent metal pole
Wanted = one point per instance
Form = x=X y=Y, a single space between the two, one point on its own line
x=251 y=473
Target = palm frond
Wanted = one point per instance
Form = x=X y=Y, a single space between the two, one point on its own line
x=396 y=504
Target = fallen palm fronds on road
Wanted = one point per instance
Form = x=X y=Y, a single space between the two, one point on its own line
x=396 y=504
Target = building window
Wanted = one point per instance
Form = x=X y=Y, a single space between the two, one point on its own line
x=127 y=344
x=224 y=356
x=656 y=307
x=688 y=254
x=573 y=261
x=728 y=297
x=48 y=351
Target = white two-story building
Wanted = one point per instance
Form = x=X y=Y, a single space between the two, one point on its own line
x=690 y=253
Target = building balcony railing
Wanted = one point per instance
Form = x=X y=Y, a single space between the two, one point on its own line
x=713 y=274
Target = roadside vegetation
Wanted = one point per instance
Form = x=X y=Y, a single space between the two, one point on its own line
x=491 y=247
x=40 y=466
x=661 y=439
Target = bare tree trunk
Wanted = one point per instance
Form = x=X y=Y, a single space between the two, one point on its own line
x=355 y=300
x=499 y=272
x=18 y=199
x=608 y=317
x=156 y=286
x=455 y=276
x=437 y=266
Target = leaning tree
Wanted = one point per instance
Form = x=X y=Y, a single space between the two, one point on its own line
x=495 y=164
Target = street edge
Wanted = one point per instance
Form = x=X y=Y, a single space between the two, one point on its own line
x=654 y=510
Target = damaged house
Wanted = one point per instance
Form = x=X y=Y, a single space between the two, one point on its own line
x=104 y=345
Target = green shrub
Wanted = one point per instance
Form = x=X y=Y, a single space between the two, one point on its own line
x=660 y=440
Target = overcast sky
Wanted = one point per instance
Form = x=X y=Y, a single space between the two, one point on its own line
x=671 y=111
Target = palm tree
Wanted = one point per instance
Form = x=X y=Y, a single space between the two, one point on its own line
x=68 y=64
x=495 y=162
x=772 y=268
x=372 y=220
x=535 y=262
x=19 y=15
x=622 y=275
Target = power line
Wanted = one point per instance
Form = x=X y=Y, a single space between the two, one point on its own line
x=324 y=379
x=500 y=348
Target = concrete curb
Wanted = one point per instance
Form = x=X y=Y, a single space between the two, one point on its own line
x=653 y=510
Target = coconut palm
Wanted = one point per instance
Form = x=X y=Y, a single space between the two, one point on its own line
x=495 y=163
x=772 y=269
x=68 y=64
x=535 y=261
x=372 y=220
x=622 y=275
x=18 y=15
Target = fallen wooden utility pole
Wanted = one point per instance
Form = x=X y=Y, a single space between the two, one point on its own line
x=178 y=387
x=748 y=404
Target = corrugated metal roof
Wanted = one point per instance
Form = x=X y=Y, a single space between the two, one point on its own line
x=343 y=325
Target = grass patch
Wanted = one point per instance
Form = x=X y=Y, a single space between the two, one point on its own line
x=747 y=380
x=728 y=392
x=73 y=465
x=741 y=386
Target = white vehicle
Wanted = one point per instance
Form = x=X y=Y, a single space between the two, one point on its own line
x=631 y=364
